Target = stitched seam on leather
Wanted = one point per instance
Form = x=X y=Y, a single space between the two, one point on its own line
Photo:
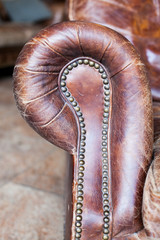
x=80 y=44
x=44 y=95
x=52 y=49
x=106 y=48
x=55 y=117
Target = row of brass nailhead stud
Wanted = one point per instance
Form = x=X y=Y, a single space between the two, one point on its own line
x=81 y=158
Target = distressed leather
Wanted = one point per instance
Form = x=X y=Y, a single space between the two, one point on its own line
x=130 y=136
x=138 y=21
x=151 y=201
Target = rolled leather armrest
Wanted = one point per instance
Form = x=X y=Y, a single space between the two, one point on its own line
x=83 y=87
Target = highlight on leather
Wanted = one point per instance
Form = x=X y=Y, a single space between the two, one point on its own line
x=138 y=21
x=42 y=104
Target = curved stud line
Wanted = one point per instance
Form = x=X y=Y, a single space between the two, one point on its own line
x=81 y=157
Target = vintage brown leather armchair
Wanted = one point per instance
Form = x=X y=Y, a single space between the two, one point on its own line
x=83 y=87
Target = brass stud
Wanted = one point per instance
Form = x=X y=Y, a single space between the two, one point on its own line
x=79 y=218
x=97 y=65
x=106 y=213
x=91 y=63
x=105 y=161
x=104 y=137
x=105 y=120
x=81 y=174
x=104 y=132
x=106 y=225
x=74 y=104
x=63 y=84
x=78 y=235
x=105 y=190
x=106 y=98
x=80 y=193
x=104 y=149
x=105 y=81
x=75 y=64
x=101 y=70
x=105 y=114
x=80 y=180
x=77 y=109
x=63 y=77
x=79 y=230
x=104 y=75
x=79 y=114
x=105 y=126
x=81 y=162
x=71 y=99
x=83 y=144
x=70 y=67
x=106 y=208
x=81 y=119
x=79 y=205
x=106 y=92
x=83 y=131
x=105 y=167
x=80 y=198
x=106 y=103
x=81 y=156
x=78 y=224
x=86 y=61
x=106 y=230
x=105 y=179
x=106 y=219
x=81 y=168
x=82 y=150
x=64 y=89
x=106 y=86
x=80 y=61
x=104 y=144
x=80 y=186
x=104 y=155
x=105 y=185
x=105 y=237
x=106 y=109
x=68 y=94
x=82 y=124
x=66 y=71
x=83 y=137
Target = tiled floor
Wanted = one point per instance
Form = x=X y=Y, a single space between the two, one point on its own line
x=32 y=176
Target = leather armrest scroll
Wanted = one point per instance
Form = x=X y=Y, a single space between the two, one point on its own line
x=46 y=60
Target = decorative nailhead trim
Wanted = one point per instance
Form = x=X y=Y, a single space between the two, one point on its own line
x=81 y=157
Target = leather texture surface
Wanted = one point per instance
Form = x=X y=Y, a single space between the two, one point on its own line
x=130 y=138
x=138 y=21
x=156 y=117
x=151 y=201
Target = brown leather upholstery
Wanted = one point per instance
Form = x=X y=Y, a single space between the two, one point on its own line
x=83 y=87
x=138 y=21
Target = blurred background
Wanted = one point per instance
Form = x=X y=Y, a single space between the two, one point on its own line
x=32 y=171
